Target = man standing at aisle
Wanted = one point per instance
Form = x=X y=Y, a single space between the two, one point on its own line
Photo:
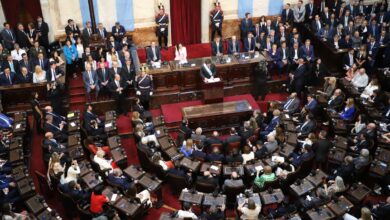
x=162 y=21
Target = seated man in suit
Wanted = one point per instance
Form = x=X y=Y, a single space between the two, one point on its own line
x=270 y=146
x=42 y=61
x=90 y=81
x=297 y=158
x=307 y=51
x=245 y=132
x=217 y=47
x=58 y=131
x=213 y=140
x=292 y=104
x=116 y=177
x=51 y=145
x=197 y=137
x=311 y=104
x=208 y=70
x=57 y=119
x=10 y=63
x=234 y=181
x=208 y=178
x=272 y=125
x=75 y=191
x=89 y=116
x=215 y=155
x=249 y=43
x=53 y=73
x=94 y=130
x=336 y=100
x=153 y=54
x=26 y=62
x=8 y=78
x=234 y=46
x=25 y=76
x=308 y=126
x=233 y=138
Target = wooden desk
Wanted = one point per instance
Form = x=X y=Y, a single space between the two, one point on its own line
x=251 y=168
x=19 y=128
x=276 y=196
x=16 y=142
x=166 y=142
x=36 y=204
x=380 y=168
x=219 y=115
x=193 y=198
x=227 y=170
x=160 y=131
x=254 y=196
x=114 y=142
x=74 y=140
x=130 y=209
x=291 y=138
x=149 y=182
x=286 y=150
x=340 y=207
x=356 y=193
x=303 y=188
x=336 y=155
x=111 y=194
x=189 y=164
x=47 y=214
x=323 y=213
x=90 y=179
x=212 y=168
x=85 y=167
x=318 y=178
x=74 y=126
x=341 y=142
x=211 y=200
x=213 y=92
x=25 y=186
x=15 y=156
x=134 y=172
x=19 y=172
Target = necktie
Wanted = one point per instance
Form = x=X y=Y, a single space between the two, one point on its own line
x=9 y=79
x=89 y=32
x=11 y=65
x=388 y=113
x=10 y=34
x=53 y=75
x=307 y=51
x=104 y=75
x=288 y=104
x=90 y=78
x=41 y=63
x=154 y=53
x=102 y=33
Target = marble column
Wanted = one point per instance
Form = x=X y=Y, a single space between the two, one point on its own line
x=2 y=16
x=205 y=20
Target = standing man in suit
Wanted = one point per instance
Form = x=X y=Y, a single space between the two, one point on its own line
x=307 y=127
x=72 y=28
x=104 y=78
x=25 y=62
x=233 y=46
x=115 y=70
x=310 y=10
x=8 y=78
x=101 y=30
x=153 y=54
x=217 y=47
x=216 y=17
x=43 y=32
x=90 y=81
x=162 y=22
x=53 y=73
x=35 y=50
x=299 y=12
x=144 y=88
x=118 y=31
x=87 y=33
x=292 y=104
x=321 y=150
x=249 y=43
x=297 y=78
x=8 y=36
x=42 y=62
x=208 y=70
x=116 y=87
x=372 y=51
x=287 y=14
x=128 y=73
x=283 y=61
x=246 y=25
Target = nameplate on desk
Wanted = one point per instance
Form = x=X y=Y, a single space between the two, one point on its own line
x=72 y=124
x=215 y=168
x=108 y=125
x=17 y=126
x=70 y=115
x=277 y=159
x=287 y=116
x=213 y=80
x=113 y=197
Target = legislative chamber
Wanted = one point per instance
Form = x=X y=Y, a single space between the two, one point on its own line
x=201 y=109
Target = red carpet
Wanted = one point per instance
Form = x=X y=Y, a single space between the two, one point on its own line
x=172 y=112
x=123 y=123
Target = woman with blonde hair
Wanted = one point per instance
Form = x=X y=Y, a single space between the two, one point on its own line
x=140 y=134
x=361 y=56
x=349 y=110
x=39 y=76
x=55 y=169
x=187 y=148
x=329 y=86
x=336 y=186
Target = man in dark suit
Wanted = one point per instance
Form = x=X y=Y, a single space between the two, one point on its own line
x=249 y=43
x=90 y=81
x=310 y=9
x=287 y=14
x=21 y=37
x=90 y=116
x=8 y=78
x=118 y=31
x=153 y=53
x=268 y=128
x=54 y=72
x=382 y=211
x=234 y=181
x=373 y=28
x=233 y=138
x=321 y=149
x=8 y=36
x=43 y=32
x=372 y=51
x=307 y=51
x=217 y=47
x=307 y=127
x=325 y=16
x=246 y=25
x=245 y=132
x=35 y=50
x=336 y=100
x=72 y=28
x=10 y=63
x=104 y=78
x=297 y=78
x=87 y=33
x=112 y=43
x=208 y=70
x=116 y=88
x=101 y=30
x=128 y=73
x=348 y=59
x=75 y=191
x=383 y=38
x=233 y=46
x=25 y=76
x=115 y=70
x=215 y=155
x=284 y=58
x=213 y=140
x=42 y=62
x=316 y=25
x=57 y=130
x=25 y=62
x=346 y=19
x=116 y=177
x=298 y=158
x=292 y=104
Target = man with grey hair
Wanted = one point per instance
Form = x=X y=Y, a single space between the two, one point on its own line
x=362 y=160
x=234 y=181
x=198 y=137
x=116 y=177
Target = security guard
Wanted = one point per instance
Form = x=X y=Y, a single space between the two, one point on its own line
x=144 y=87
x=162 y=21
x=216 y=17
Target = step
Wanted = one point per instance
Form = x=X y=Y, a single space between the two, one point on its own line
x=77 y=100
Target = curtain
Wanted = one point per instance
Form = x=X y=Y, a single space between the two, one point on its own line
x=23 y=11
x=185 y=21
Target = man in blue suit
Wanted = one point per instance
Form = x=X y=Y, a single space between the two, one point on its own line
x=271 y=126
x=246 y=25
x=307 y=51
x=297 y=159
x=118 y=31
x=90 y=81
x=249 y=43
x=311 y=10
x=311 y=103
x=373 y=28
x=42 y=62
x=287 y=14
x=7 y=78
x=5 y=121
x=75 y=191
x=89 y=116
x=372 y=51
x=233 y=46
x=297 y=78
x=117 y=178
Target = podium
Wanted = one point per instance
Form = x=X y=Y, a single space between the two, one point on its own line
x=213 y=92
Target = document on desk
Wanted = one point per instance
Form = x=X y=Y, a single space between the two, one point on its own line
x=108 y=125
x=17 y=126
x=113 y=197
x=277 y=159
x=72 y=124
x=213 y=167
x=213 y=80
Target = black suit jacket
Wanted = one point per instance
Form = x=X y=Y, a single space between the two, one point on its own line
x=205 y=74
x=287 y=17
x=58 y=71
x=107 y=75
x=24 y=79
x=75 y=31
x=4 y=81
x=321 y=149
x=29 y=65
x=215 y=48
x=21 y=38
x=149 y=54
x=113 y=87
x=338 y=101
x=45 y=63
x=6 y=65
